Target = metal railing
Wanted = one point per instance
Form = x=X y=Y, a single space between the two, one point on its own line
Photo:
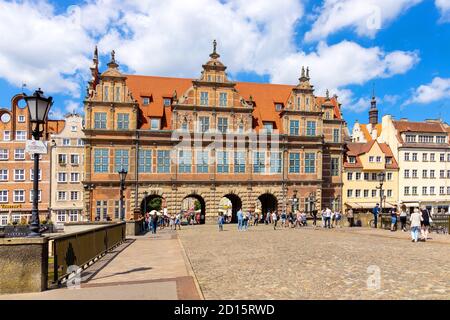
x=82 y=248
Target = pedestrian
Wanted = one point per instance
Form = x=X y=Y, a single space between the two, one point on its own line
x=240 y=218
x=154 y=223
x=322 y=215
x=283 y=219
x=376 y=212
x=328 y=218
x=333 y=218
x=246 y=220
x=350 y=217
x=256 y=219
x=393 y=220
x=314 y=215
x=403 y=216
x=298 y=218
x=425 y=225
x=171 y=221
x=147 y=221
x=268 y=217
x=416 y=219
x=178 y=221
x=338 y=217
x=303 y=221
x=220 y=221
x=274 y=220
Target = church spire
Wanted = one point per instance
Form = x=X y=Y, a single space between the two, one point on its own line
x=373 y=112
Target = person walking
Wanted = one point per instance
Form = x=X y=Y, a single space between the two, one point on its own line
x=416 y=219
x=256 y=219
x=274 y=220
x=393 y=220
x=350 y=217
x=267 y=221
x=154 y=223
x=425 y=225
x=178 y=221
x=240 y=218
x=146 y=221
x=246 y=220
x=333 y=218
x=403 y=217
x=376 y=212
x=338 y=217
x=220 y=221
x=328 y=218
x=322 y=215
x=314 y=215
x=298 y=219
x=283 y=219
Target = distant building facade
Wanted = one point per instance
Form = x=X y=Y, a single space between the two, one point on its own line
x=67 y=172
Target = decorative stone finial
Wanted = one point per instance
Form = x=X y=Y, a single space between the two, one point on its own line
x=214 y=46
x=303 y=71
x=113 y=56
x=307 y=72
x=214 y=54
x=327 y=94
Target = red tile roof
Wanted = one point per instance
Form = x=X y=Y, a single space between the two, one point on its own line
x=356 y=149
x=264 y=96
x=405 y=126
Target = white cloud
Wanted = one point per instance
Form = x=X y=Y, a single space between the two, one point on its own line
x=444 y=9
x=438 y=89
x=390 y=99
x=69 y=106
x=40 y=48
x=342 y=64
x=366 y=16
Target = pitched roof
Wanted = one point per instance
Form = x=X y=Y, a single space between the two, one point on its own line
x=356 y=149
x=405 y=126
x=264 y=95
x=365 y=131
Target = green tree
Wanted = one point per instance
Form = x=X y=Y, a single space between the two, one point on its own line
x=197 y=205
x=154 y=204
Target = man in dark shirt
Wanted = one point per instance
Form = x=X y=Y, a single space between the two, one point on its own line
x=375 y=212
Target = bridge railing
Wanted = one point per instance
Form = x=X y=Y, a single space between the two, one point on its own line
x=81 y=249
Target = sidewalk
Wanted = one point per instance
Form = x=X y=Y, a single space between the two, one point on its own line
x=148 y=267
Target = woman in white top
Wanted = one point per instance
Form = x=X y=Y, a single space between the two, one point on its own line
x=415 y=219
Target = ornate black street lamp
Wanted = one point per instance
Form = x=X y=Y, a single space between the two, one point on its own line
x=123 y=175
x=380 y=177
x=38 y=107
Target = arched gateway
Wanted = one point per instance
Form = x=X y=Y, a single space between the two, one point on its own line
x=199 y=199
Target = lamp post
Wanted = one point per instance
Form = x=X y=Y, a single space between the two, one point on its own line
x=38 y=107
x=122 y=175
x=145 y=201
x=380 y=177
x=294 y=202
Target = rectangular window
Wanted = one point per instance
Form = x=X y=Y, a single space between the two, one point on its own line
x=275 y=162
x=424 y=173
x=116 y=210
x=414 y=191
x=19 y=174
x=310 y=128
x=184 y=161
x=202 y=161
x=374 y=177
x=374 y=193
x=389 y=176
x=145 y=160
x=335 y=167
x=6 y=135
x=406 y=191
x=163 y=161
x=414 y=156
x=441 y=190
x=74 y=159
x=366 y=193
x=432 y=157
x=74 y=177
x=21 y=135
x=442 y=174
x=66 y=142
x=432 y=190
x=80 y=142
x=121 y=159
x=407 y=156
x=410 y=138
x=294 y=162
x=424 y=157
x=62 y=159
x=432 y=174
x=154 y=124
x=223 y=99
x=32 y=195
x=61 y=216
x=73 y=215
x=424 y=190
x=349 y=193
x=117 y=94
x=204 y=124
x=19 y=154
x=336 y=136
x=378 y=159
x=357 y=193
x=358 y=176
x=222 y=125
x=99 y=120
x=371 y=159
x=106 y=93
x=101 y=160
x=268 y=126
x=3 y=196
x=310 y=162
x=442 y=157
x=259 y=159
x=239 y=162
x=389 y=193
x=123 y=121
x=204 y=98
x=167 y=102
x=32 y=174
x=440 y=139
x=349 y=176
x=62 y=177
x=366 y=176
x=19 y=195
x=146 y=101
x=222 y=162
x=294 y=128
x=278 y=106
x=3 y=175
x=73 y=195
x=414 y=173
x=406 y=173
x=62 y=195
x=74 y=129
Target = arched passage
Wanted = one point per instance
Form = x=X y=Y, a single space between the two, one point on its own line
x=152 y=202
x=197 y=203
x=236 y=204
x=267 y=202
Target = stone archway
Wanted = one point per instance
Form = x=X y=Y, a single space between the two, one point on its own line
x=152 y=202
x=268 y=202
x=236 y=204
x=202 y=202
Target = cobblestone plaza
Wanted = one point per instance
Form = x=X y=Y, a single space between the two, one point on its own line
x=315 y=263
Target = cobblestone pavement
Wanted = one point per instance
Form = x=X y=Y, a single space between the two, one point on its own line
x=312 y=263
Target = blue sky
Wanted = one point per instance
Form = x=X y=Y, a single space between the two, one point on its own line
x=401 y=47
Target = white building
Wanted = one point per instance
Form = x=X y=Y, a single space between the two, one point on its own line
x=67 y=168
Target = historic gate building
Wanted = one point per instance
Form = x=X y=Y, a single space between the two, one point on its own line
x=208 y=138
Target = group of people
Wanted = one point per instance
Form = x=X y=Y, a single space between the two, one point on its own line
x=155 y=220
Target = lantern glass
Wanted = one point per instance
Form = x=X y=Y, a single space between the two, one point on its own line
x=123 y=174
x=381 y=176
x=38 y=106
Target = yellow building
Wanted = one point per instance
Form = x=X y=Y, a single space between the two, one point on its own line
x=362 y=166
